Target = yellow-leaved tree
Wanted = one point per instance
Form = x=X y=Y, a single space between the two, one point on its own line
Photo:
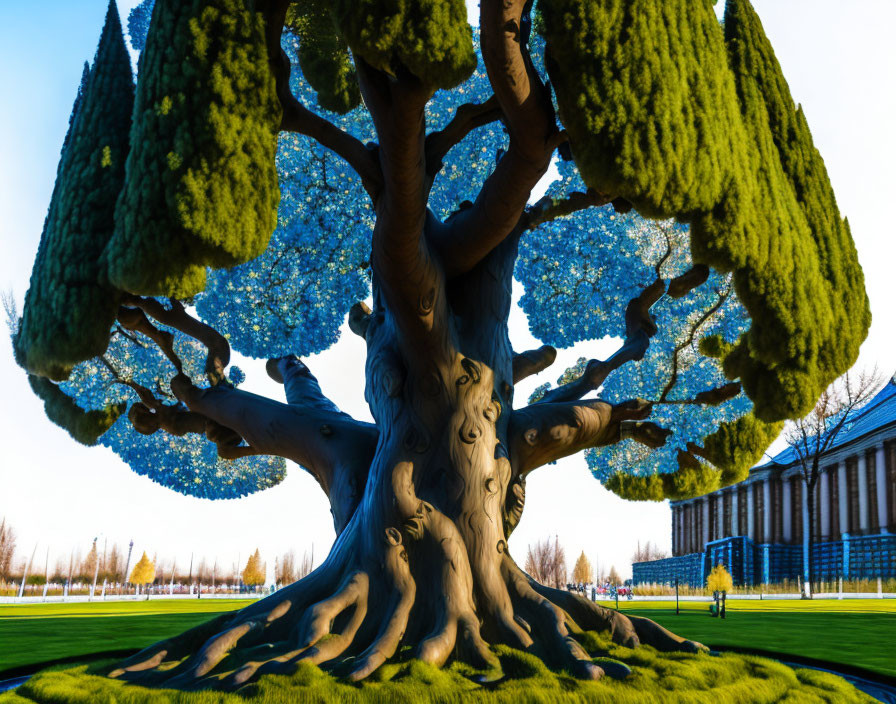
x=719 y=579
x=581 y=573
x=144 y=571
x=255 y=570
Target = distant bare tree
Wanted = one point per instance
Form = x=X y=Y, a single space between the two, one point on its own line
x=812 y=436
x=546 y=563
x=288 y=570
x=648 y=552
x=614 y=577
x=7 y=548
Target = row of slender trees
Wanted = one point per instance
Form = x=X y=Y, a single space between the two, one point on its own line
x=102 y=563
x=546 y=563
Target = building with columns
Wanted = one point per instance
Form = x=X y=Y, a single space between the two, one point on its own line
x=759 y=527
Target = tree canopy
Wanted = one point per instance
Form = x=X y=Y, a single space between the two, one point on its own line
x=188 y=192
x=144 y=571
x=254 y=571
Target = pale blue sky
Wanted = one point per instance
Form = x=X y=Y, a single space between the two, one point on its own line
x=841 y=64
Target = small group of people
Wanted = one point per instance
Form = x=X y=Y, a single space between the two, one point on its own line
x=602 y=591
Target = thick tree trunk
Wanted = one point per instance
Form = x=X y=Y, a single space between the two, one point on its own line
x=421 y=560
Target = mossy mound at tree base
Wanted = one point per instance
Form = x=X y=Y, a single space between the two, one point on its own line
x=666 y=677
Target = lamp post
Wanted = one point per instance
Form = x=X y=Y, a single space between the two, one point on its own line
x=676 y=596
x=127 y=564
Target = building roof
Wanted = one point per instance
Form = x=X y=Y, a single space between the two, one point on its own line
x=877 y=413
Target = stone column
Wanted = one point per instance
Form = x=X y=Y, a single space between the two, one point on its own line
x=706 y=519
x=720 y=515
x=751 y=517
x=864 y=513
x=689 y=528
x=843 y=498
x=676 y=531
x=766 y=511
x=824 y=505
x=805 y=518
x=880 y=476
x=786 y=515
x=734 y=512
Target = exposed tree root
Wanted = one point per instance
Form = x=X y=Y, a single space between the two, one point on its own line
x=361 y=621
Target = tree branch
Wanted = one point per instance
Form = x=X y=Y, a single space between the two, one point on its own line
x=525 y=364
x=545 y=432
x=297 y=118
x=688 y=281
x=639 y=328
x=133 y=319
x=710 y=397
x=336 y=449
x=359 y=319
x=548 y=209
x=673 y=377
x=465 y=238
x=468 y=117
x=177 y=317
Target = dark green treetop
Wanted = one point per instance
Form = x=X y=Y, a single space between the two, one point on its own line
x=665 y=110
x=69 y=308
x=323 y=56
x=201 y=187
x=85 y=427
x=429 y=38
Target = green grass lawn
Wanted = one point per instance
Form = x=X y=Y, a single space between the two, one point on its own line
x=859 y=632
x=36 y=633
x=855 y=632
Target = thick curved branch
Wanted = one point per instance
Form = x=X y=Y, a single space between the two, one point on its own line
x=525 y=364
x=359 y=319
x=150 y=415
x=333 y=447
x=177 y=317
x=525 y=103
x=297 y=118
x=639 y=328
x=688 y=281
x=548 y=209
x=546 y=432
x=300 y=385
x=404 y=270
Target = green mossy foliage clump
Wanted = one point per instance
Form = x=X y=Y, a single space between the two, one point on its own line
x=84 y=426
x=323 y=56
x=667 y=677
x=645 y=94
x=725 y=459
x=796 y=266
x=430 y=38
x=201 y=187
x=68 y=308
x=685 y=121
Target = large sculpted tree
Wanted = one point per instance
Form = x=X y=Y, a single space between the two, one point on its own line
x=277 y=163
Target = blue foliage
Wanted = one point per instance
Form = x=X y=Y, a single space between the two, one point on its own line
x=138 y=24
x=187 y=464
x=579 y=274
x=468 y=163
x=294 y=297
